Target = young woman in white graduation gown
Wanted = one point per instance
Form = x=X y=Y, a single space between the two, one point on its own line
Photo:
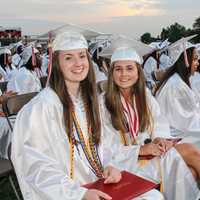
x=128 y=111
x=5 y=132
x=178 y=102
x=195 y=81
x=7 y=69
x=25 y=79
x=57 y=145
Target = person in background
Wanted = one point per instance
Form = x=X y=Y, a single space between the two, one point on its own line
x=7 y=69
x=178 y=102
x=195 y=81
x=16 y=58
x=26 y=80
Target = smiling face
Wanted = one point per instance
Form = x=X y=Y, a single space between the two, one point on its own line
x=125 y=74
x=74 y=65
x=195 y=62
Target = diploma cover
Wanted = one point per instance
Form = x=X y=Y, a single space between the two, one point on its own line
x=129 y=187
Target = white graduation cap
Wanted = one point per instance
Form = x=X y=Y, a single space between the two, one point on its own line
x=38 y=45
x=68 y=41
x=27 y=53
x=175 y=49
x=87 y=33
x=164 y=44
x=5 y=50
x=160 y=45
x=124 y=41
x=126 y=53
x=155 y=45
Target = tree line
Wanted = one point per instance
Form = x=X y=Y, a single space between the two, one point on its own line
x=174 y=32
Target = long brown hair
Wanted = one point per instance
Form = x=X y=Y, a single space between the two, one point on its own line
x=88 y=92
x=114 y=105
x=179 y=67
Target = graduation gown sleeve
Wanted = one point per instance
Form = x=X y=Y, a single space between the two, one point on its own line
x=179 y=104
x=40 y=152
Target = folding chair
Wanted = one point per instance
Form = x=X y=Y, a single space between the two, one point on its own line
x=11 y=106
x=3 y=86
x=7 y=171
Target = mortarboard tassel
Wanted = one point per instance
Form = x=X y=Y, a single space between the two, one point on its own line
x=185 y=54
x=33 y=57
x=50 y=59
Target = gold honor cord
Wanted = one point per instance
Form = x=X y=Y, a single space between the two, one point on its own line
x=89 y=149
x=71 y=158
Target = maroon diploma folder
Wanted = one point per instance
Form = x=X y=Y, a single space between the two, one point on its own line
x=129 y=187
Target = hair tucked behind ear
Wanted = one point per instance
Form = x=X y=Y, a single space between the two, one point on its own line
x=180 y=68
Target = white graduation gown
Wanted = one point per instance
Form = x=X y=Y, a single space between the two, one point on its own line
x=100 y=76
x=8 y=73
x=44 y=67
x=24 y=81
x=165 y=62
x=5 y=137
x=178 y=182
x=40 y=151
x=17 y=60
x=180 y=105
x=195 y=83
x=150 y=66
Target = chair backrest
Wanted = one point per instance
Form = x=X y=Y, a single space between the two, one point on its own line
x=13 y=104
x=43 y=81
x=3 y=86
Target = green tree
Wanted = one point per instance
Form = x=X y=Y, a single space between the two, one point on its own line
x=164 y=34
x=196 y=30
x=196 y=25
x=146 y=38
x=176 y=31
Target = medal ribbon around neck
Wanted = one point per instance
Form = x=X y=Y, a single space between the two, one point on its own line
x=90 y=151
x=132 y=117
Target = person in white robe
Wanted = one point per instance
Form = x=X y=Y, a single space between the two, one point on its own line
x=51 y=158
x=17 y=58
x=26 y=80
x=100 y=69
x=167 y=167
x=178 y=102
x=5 y=131
x=195 y=81
x=45 y=61
x=151 y=64
x=22 y=81
x=165 y=61
x=7 y=69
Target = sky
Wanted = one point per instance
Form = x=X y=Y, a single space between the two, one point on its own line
x=129 y=17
